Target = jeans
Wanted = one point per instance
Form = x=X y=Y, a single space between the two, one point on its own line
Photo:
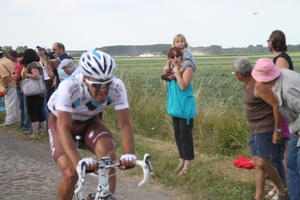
x=46 y=111
x=277 y=161
x=24 y=121
x=293 y=163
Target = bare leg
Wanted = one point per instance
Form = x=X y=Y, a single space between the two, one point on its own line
x=265 y=165
x=66 y=186
x=259 y=176
x=181 y=163
x=187 y=164
x=44 y=126
x=287 y=146
x=34 y=130
x=106 y=147
x=34 y=127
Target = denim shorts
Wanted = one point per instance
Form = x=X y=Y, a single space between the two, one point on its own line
x=261 y=145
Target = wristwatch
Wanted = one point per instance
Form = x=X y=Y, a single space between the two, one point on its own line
x=278 y=130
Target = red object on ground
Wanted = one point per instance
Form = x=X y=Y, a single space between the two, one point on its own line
x=2 y=94
x=243 y=162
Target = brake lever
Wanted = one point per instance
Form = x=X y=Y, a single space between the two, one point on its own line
x=148 y=162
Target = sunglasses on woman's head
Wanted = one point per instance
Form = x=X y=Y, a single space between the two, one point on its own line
x=173 y=56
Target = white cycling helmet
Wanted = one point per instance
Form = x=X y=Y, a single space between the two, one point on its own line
x=97 y=64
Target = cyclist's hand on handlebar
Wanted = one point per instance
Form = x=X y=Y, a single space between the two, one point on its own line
x=91 y=164
x=128 y=161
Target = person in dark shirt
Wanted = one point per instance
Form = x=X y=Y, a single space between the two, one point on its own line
x=59 y=49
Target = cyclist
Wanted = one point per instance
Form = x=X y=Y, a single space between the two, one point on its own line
x=74 y=111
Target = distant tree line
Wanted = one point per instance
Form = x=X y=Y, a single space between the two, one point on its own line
x=162 y=49
x=6 y=49
x=136 y=50
x=215 y=49
x=130 y=50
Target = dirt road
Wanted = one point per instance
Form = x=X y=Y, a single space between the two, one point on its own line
x=27 y=171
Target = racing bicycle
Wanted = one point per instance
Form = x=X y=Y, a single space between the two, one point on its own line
x=102 y=190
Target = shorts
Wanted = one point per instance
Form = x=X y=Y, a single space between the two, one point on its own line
x=90 y=130
x=261 y=145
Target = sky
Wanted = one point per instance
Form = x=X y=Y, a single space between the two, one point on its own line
x=88 y=24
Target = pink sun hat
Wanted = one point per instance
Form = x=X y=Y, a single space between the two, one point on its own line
x=265 y=70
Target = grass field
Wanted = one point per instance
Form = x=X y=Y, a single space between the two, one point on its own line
x=213 y=82
x=220 y=128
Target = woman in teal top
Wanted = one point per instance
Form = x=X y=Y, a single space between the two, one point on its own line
x=181 y=105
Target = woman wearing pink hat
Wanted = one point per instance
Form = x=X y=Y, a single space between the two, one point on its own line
x=286 y=85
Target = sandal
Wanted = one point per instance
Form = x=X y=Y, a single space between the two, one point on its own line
x=178 y=169
x=183 y=172
x=284 y=197
x=271 y=193
x=32 y=136
x=275 y=198
x=27 y=132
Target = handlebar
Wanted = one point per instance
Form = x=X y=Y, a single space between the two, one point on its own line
x=105 y=162
x=145 y=164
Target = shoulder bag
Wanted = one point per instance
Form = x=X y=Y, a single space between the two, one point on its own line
x=33 y=87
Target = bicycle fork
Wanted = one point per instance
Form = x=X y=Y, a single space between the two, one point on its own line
x=103 y=186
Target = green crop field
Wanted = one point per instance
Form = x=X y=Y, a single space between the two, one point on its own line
x=213 y=82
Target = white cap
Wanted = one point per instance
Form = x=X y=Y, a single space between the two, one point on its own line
x=42 y=47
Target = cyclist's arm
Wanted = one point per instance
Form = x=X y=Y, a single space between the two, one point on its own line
x=126 y=130
x=64 y=125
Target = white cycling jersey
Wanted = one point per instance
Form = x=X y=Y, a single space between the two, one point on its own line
x=73 y=96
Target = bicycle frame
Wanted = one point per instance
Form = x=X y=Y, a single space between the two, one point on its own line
x=103 y=176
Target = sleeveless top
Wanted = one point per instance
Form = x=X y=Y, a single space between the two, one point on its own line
x=284 y=123
x=286 y=57
x=258 y=112
x=181 y=103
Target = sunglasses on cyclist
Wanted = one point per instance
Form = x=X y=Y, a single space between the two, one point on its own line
x=173 y=56
x=100 y=85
